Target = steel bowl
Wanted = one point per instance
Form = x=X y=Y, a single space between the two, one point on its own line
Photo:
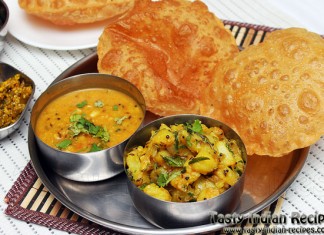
x=92 y=166
x=166 y=214
x=4 y=17
x=6 y=72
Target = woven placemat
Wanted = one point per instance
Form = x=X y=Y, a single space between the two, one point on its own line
x=30 y=201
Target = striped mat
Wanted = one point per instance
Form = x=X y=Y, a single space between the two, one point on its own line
x=30 y=201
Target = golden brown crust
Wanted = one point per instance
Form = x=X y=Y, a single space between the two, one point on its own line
x=169 y=49
x=273 y=93
x=70 y=12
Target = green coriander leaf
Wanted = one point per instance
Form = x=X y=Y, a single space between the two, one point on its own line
x=99 y=104
x=165 y=178
x=162 y=179
x=191 y=194
x=175 y=162
x=82 y=104
x=173 y=175
x=196 y=126
x=198 y=159
x=229 y=148
x=75 y=117
x=103 y=134
x=142 y=186
x=93 y=130
x=95 y=148
x=188 y=138
x=115 y=107
x=64 y=144
x=79 y=124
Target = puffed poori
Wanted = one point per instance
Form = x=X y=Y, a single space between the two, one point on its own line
x=169 y=49
x=272 y=93
x=70 y=12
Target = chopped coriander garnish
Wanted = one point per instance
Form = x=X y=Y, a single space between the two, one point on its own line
x=95 y=148
x=191 y=194
x=165 y=178
x=142 y=186
x=64 y=144
x=162 y=179
x=115 y=107
x=99 y=104
x=119 y=121
x=195 y=127
x=80 y=124
x=188 y=139
x=82 y=104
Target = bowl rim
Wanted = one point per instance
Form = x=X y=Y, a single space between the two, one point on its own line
x=196 y=116
x=3 y=3
x=78 y=76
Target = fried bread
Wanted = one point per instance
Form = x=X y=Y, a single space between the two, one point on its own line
x=169 y=49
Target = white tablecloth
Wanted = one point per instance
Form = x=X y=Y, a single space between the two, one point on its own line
x=305 y=195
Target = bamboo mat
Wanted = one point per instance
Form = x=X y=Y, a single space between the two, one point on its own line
x=30 y=201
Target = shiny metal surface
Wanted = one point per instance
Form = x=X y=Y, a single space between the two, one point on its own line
x=4 y=17
x=108 y=202
x=7 y=71
x=166 y=214
x=85 y=167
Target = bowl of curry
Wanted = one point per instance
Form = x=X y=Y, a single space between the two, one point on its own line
x=82 y=124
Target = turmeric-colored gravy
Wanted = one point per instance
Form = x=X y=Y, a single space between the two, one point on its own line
x=89 y=120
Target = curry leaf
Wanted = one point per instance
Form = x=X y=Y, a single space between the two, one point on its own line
x=176 y=141
x=198 y=159
x=174 y=161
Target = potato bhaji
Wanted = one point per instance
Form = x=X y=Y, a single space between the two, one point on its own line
x=185 y=163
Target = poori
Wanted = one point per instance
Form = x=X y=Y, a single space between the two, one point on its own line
x=169 y=50
x=71 y=12
x=272 y=93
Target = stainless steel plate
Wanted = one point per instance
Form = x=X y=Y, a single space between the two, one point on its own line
x=107 y=202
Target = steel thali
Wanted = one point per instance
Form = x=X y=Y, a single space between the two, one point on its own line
x=107 y=202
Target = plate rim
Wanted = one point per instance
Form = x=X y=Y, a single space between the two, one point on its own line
x=132 y=229
x=15 y=10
